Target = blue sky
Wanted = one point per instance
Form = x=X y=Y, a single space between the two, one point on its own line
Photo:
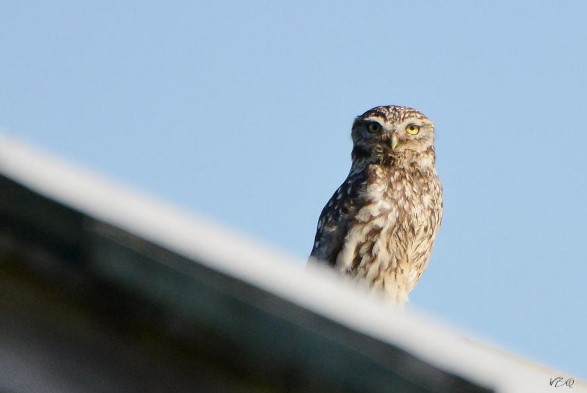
x=241 y=111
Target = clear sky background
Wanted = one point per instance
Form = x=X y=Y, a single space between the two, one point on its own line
x=241 y=111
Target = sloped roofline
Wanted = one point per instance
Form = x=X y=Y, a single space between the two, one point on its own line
x=248 y=260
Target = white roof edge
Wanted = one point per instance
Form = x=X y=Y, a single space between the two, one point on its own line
x=271 y=270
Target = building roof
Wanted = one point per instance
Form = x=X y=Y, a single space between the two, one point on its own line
x=107 y=289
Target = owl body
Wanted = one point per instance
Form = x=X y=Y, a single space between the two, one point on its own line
x=381 y=223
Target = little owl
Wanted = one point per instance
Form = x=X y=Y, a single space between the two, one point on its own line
x=380 y=225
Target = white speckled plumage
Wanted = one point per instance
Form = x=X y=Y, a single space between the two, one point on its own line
x=381 y=223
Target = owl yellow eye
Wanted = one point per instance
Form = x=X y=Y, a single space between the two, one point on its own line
x=412 y=129
x=374 y=127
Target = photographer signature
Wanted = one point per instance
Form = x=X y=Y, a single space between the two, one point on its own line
x=557 y=382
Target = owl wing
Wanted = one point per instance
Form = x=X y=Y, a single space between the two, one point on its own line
x=336 y=218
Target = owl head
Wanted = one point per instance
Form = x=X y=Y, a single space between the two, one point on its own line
x=393 y=134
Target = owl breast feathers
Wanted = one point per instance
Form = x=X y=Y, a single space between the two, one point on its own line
x=380 y=225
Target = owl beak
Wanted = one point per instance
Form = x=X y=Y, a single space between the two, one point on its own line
x=394 y=141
